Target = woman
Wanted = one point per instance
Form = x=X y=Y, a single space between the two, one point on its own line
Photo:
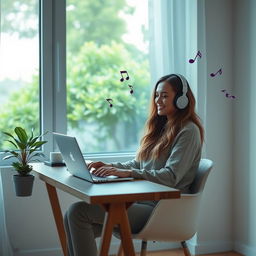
x=169 y=154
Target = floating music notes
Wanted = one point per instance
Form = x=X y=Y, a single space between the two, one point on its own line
x=228 y=95
x=218 y=72
x=110 y=104
x=126 y=73
x=131 y=87
x=199 y=54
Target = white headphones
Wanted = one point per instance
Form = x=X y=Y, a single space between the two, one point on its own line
x=181 y=100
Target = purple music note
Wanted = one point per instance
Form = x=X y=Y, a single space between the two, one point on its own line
x=131 y=87
x=199 y=54
x=214 y=74
x=127 y=75
x=228 y=95
x=110 y=104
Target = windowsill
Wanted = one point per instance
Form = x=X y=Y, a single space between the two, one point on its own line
x=107 y=157
x=5 y=166
x=111 y=157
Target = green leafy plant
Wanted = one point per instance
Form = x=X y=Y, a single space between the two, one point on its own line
x=25 y=149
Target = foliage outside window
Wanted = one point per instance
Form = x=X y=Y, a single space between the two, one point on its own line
x=98 y=47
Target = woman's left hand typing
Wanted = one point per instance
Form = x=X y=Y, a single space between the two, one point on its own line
x=107 y=171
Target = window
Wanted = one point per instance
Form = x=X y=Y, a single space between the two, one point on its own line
x=104 y=38
x=19 y=67
x=61 y=60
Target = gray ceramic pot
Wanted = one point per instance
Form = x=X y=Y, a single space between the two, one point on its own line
x=23 y=184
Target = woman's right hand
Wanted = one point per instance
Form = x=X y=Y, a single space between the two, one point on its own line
x=96 y=165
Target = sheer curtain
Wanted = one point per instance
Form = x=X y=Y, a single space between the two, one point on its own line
x=5 y=247
x=173 y=38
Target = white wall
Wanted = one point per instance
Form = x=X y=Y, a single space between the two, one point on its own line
x=215 y=42
x=244 y=123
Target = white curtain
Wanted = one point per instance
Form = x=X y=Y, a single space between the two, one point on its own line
x=173 y=39
x=5 y=247
x=175 y=28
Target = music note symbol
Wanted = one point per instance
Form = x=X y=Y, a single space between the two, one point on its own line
x=219 y=71
x=110 y=104
x=124 y=72
x=131 y=87
x=199 y=54
x=228 y=95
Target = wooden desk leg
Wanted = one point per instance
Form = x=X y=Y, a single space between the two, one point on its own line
x=116 y=215
x=125 y=232
x=52 y=193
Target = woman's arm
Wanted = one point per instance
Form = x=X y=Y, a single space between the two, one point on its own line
x=186 y=150
x=127 y=165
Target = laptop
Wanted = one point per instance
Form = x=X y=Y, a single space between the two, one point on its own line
x=75 y=161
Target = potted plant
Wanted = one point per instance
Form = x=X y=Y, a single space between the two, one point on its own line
x=24 y=152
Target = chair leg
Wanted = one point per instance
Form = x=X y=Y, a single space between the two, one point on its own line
x=120 y=250
x=143 y=248
x=185 y=248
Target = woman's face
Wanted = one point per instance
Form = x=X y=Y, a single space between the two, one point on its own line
x=164 y=96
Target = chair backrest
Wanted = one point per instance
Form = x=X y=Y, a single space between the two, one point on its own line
x=204 y=168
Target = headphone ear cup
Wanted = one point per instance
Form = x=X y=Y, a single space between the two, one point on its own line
x=182 y=102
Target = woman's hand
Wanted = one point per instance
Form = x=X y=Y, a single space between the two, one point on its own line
x=96 y=165
x=106 y=171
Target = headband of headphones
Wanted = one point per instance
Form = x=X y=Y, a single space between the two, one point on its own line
x=184 y=83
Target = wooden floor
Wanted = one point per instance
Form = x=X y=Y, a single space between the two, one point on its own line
x=179 y=252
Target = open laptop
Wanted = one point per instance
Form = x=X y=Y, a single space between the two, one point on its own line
x=75 y=161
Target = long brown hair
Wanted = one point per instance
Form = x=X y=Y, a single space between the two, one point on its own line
x=160 y=132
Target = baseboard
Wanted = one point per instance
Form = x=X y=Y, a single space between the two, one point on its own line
x=210 y=247
x=39 y=252
x=244 y=249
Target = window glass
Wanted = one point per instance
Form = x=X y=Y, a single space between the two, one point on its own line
x=104 y=38
x=19 y=66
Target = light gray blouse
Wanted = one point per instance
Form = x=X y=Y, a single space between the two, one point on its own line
x=176 y=167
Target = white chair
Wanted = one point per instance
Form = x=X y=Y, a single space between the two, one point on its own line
x=175 y=219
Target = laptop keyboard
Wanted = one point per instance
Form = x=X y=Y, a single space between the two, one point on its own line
x=99 y=179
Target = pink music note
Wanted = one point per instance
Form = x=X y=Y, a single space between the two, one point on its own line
x=127 y=75
x=199 y=54
x=214 y=74
x=110 y=104
x=131 y=87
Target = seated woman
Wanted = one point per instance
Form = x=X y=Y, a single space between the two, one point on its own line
x=169 y=154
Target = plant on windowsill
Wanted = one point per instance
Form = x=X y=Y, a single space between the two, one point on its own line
x=24 y=152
